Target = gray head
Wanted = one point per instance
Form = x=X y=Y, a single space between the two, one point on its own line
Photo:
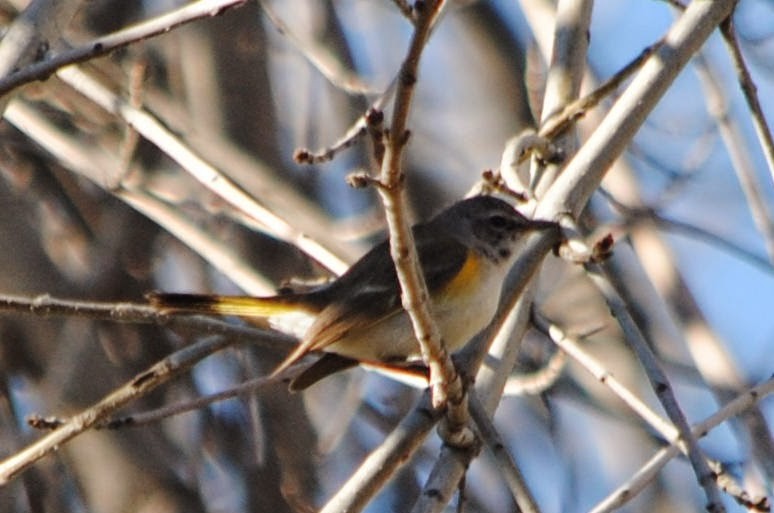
x=494 y=225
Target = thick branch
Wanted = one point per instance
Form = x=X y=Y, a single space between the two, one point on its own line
x=584 y=172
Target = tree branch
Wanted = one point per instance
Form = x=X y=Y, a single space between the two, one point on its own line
x=103 y=45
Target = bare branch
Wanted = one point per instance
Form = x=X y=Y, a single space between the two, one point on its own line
x=444 y=380
x=647 y=472
x=372 y=118
x=604 y=376
x=660 y=385
x=144 y=382
x=540 y=381
x=585 y=171
x=43 y=69
x=565 y=73
x=382 y=463
x=98 y=167
x=750 y=93
x=505 y=462
x=639 y=215
x=191 y=162
x=329 y=67
x=731 y=133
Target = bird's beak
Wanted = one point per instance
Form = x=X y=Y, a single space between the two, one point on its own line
x=541 y=225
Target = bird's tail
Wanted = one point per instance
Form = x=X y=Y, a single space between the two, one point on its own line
x=241 y=306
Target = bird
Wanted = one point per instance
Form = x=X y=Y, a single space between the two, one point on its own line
x=464 y=252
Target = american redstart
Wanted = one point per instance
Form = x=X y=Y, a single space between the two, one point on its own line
x=465 y=253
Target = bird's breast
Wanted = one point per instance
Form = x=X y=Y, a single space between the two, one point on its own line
x=468 y=303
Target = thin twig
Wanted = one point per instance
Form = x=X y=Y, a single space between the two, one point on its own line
x=731 y=486
x=649 y=470
x=98 y=167
x=103 y=45
x=161 y=372
x=47 y=306
x=540 y=381
x=701 y=234
x=319 y=57
x=382 y=463
x=30 y=36
x=560 y=122
x=510 y=323
x=508 y=468
x=359 y=129
x=153 y=416
x=155 y=131
x=731 y=132
x=604 y=376
x=657 y=320
x=660 y=385
x=750 y=93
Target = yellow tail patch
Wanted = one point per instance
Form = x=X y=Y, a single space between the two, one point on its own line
x=252 y=306
x=242 y=306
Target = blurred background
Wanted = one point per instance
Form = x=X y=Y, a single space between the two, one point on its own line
x=93 y=209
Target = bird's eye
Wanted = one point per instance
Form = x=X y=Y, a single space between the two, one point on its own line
x=498 y=222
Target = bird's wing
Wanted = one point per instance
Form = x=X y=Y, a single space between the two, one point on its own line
x=378 y=296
